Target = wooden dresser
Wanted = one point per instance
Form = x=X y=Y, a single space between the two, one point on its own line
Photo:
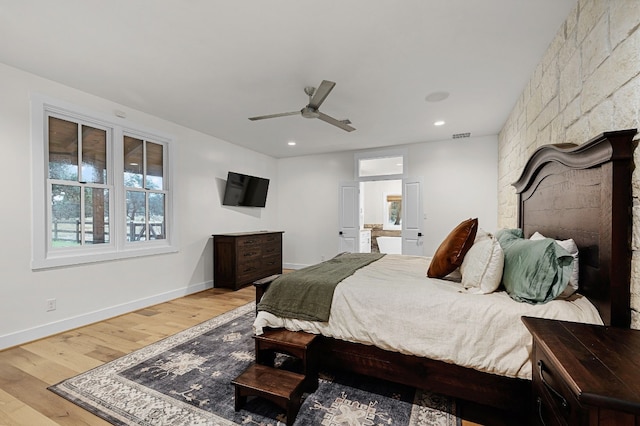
x=242 y=258
x=584 y=374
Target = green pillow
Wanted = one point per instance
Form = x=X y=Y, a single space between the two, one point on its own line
x=535 y=271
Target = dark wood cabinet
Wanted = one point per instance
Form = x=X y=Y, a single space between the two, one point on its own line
x=242 y=258
x=584 y=374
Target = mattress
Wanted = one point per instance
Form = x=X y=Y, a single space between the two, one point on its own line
x=391 y=304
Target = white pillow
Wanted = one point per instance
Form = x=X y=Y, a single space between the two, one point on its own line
x=483 y=264
x=571 y=247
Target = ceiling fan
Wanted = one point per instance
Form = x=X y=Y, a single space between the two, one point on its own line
x=316 y=97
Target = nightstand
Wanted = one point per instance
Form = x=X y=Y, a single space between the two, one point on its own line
x=584 y=374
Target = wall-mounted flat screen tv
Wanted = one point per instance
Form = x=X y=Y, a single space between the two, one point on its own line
x=245 y=190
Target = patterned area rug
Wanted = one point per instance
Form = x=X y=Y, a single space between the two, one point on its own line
x=185 y=380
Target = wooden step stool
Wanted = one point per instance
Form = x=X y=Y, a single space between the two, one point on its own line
x=281 y=387
x=298 y=344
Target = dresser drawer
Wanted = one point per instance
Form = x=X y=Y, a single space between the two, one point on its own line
x=249 y=252
x=247 y=271
x=272 y=239
x=272 y=264
x=252 y=241
x=555 y=402
x=272 y=249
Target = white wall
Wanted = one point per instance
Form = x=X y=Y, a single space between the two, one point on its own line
x=95 y=291
x=308 y=205
x=459 y=182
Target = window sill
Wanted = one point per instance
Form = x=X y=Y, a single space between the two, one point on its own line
x=58 y=261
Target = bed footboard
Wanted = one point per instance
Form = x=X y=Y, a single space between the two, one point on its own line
x=508 y=394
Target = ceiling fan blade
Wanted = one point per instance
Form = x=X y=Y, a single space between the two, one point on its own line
x=282 y=114
x=337 y=123
x=321 y=93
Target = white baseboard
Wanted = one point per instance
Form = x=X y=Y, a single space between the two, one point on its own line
x=28 y=335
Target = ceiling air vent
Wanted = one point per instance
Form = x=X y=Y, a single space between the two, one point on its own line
x=461 y=135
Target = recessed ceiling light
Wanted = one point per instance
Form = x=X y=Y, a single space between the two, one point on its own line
x=439 y=123
x=437 y=96
x=291 y=143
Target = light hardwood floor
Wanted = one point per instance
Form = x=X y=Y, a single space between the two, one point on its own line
x=27 y=370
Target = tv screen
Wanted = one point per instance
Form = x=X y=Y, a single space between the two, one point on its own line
x=245 y=190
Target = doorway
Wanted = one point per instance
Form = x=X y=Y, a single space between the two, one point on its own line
x=396 y=201
x=381 y=215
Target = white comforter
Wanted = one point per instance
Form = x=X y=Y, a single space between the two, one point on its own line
x=393 y=305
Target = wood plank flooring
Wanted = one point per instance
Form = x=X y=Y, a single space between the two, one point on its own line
x=27 y=370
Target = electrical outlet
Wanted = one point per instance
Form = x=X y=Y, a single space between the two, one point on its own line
x=51 y=305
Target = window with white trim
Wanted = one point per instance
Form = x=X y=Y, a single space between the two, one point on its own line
x=144 y=186
x=78 y=183
x=387 y=164
x=102 y=187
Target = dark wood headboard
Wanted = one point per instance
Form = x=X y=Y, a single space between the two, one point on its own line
x=584 y=192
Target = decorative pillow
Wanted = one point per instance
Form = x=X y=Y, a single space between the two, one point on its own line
x=451 y=251
x=570 y=246
x=535 y=271
x=483 y=264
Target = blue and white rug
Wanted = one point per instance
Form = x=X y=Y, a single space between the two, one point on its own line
x=185 y=380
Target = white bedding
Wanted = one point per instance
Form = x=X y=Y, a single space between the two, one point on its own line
x=393 y=305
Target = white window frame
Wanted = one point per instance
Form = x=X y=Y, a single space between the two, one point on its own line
x=43 y=255
x=387 y=153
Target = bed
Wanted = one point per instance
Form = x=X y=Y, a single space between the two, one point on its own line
x=565 y=192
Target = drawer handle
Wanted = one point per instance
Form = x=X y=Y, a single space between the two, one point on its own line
x=540 y=412
x=549 y=387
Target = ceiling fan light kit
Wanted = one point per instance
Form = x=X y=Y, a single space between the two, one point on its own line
x=316 y=98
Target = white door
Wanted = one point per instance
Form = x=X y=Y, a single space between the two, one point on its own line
x=412 y=217
x=349 y=221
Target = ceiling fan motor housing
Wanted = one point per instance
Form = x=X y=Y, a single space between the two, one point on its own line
x=309 y=112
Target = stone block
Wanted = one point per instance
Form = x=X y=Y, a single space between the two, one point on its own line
x=620 y=67
x=624 y=18
x=570 y=80
x=590 y=11
x=578 y=132
x=601 y=118
x=626 y=106
x=595 y=47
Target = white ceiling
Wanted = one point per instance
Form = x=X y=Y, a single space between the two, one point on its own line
x=211 y=64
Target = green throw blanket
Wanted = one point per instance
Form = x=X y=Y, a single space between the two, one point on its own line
x=307 y=293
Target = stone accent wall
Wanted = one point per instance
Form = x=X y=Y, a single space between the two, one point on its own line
x=587 y=82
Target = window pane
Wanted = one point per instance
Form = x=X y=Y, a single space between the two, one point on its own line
x=65 y=215
x=136 y=216
x=96 y=215
x=154 y=166
x=380 y=166
x=63 y=149
x=94 y=155
x=133 y=162
x=156 y=216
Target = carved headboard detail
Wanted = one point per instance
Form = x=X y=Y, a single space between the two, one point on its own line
x=584 y=192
